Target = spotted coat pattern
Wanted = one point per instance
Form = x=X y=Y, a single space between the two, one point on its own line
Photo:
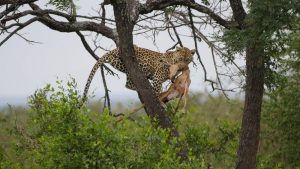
x=155 y=65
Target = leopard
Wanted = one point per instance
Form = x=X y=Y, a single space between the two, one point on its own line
x=155 y=65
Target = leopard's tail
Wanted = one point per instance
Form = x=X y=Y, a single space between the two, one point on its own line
x=99 y=62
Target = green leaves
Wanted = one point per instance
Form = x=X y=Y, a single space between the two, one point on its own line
x=69 y=137
x=271 y=24
x=281 y=115
x=64 y=5
x=61 y=4
x=59 y=135
x=206 y=2
x=212 y=145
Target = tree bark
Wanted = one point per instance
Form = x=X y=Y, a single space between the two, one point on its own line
x=249 y=138
x=250 y=129
x=126 y=13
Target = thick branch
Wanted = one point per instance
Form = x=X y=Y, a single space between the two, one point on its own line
x=72 y=26
x=8 y=10
x=19 y=2
x=150 y=6
x=239 y=13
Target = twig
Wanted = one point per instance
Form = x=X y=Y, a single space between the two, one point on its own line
x=88 y=48
x=174 y=29
x=30 y=21
x=217 y=74
x=149 y=17
x=107 y=99
x=27 y=40
x=173 y=46
x=176 y=34
x=210 y=44
x=197 y=52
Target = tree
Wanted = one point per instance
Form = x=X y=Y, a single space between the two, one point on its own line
x=126 y=14
x=248 y=33
x=281 y=109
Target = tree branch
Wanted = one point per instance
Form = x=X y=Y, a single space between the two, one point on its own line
x=199 y=35
x=21 y=26
x=44 y=18
x=18 y=2
x=217 y=73
x=107 y=99
x=152 y=5
x=91 y=52
x=239 y=13
x=196 y=47
x=174 y=29
x=8 y=10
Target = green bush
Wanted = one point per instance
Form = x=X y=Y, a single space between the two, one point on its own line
x=281 y=113
x=59 y=135
x=281 y=116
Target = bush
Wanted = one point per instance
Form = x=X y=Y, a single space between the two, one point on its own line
x=59 y=135
x=281 y=136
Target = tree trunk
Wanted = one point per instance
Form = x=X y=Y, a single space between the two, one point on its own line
x=249 y=138
x=126 y=13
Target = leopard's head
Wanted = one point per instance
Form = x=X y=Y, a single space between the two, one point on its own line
x=180 y=60
x=183 y=54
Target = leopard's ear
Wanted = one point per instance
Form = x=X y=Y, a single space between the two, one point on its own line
x=193 y=51
x=178 y=48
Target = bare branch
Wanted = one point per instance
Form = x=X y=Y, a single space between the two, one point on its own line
x=88 y=48
x=103 y=14
x=200 y=36
x=28 y=40
x=150 y=17
x=86 y=45
x=9 y=9
x=149 y=6
x=18 y=2
x=21 y=26
x=197 y=52
x=15 y=16
x=44 y=18
x=172 y=46
x=107 y=99
x=217 y=73
x=174 y=29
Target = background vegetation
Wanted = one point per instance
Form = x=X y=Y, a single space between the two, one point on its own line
x=54 y=133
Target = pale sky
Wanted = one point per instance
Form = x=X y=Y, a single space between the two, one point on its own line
x=26 y=67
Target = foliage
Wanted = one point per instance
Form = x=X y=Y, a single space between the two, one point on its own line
x=270 y=23
x=5 y=163
x=218 y=147
x=59 y=135
x=281 y=113
x=64 y=5
x=282 y=118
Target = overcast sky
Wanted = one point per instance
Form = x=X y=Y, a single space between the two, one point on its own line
x=26 y=67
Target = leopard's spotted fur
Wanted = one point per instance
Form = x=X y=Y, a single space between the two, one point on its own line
x=154 y=64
